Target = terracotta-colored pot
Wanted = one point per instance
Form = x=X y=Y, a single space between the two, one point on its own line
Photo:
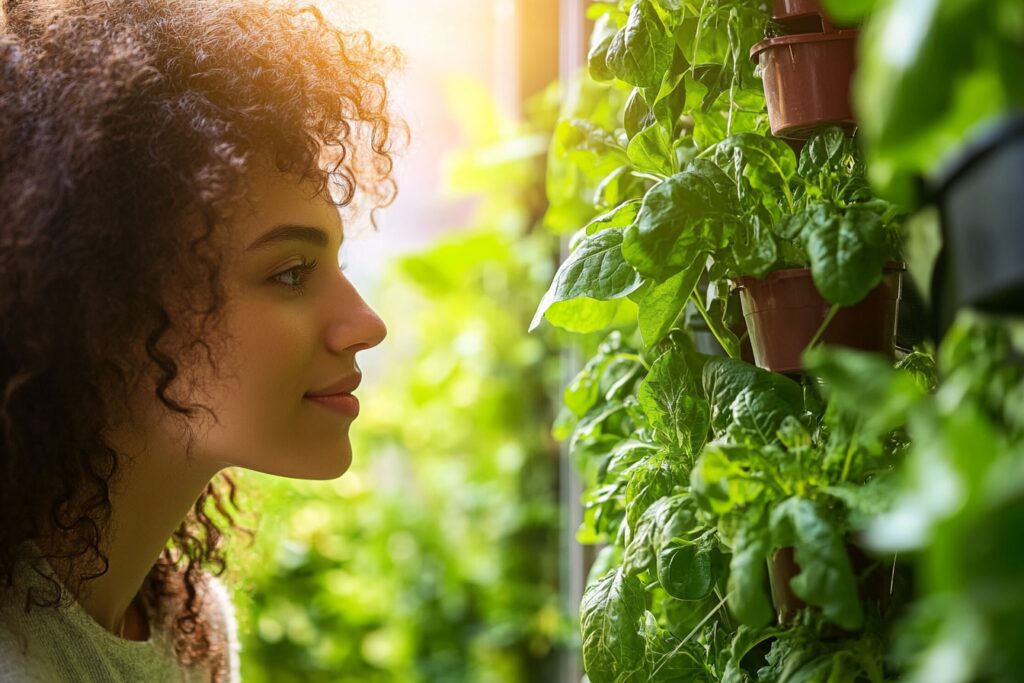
x=807 y=81
x=801 y=16
x=784 y=310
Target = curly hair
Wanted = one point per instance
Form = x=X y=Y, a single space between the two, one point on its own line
x=119 y=118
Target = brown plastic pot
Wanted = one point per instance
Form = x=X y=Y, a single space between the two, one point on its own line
x=807 y=81
x=882 y=586
x=784 y=310
x=801 y=16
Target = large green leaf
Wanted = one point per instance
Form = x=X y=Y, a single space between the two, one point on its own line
x=661 y=304
x=666 y=518
x=611 y=616
x=651 y=150
x=600 y=40
x=847 y=252
x=670 y=397
x=684 y=569
x=826 y=577
x=748 y=403
x=594 y=270
x=641 y=52
x=768 y=164
x=680 y=219
x=747 y=598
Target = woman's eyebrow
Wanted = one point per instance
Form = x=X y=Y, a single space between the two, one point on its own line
x=283 y=233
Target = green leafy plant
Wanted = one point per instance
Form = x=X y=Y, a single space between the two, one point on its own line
x=699 y=469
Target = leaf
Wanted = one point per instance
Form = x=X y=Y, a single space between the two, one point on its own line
x=721 y=479
x=637 y=115
x=595 y=270
x=600 y=40
x=619 y=186
x=619 y=217
x=748 y=403
x=680 y=219
x=847 y=253
x=661 y=304
x=748 y=601
x=826 y=577
x=684 y=570
x=666 y=518
x=744 y=640
x=867 y=386
x=669 y=396
x=768 y=164
x=668 y=660
x=650 y=480
x=611 y=615
x=651 y=150
x=641 y=52
x=754 y=249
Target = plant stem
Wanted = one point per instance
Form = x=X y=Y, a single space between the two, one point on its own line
x=636 y=357
x=824 y=324
x=665 y=658
x=731 y=349
x=649 y=176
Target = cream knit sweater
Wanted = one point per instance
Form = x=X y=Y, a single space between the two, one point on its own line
x=67 y=644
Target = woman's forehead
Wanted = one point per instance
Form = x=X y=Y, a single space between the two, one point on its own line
x=277 y=198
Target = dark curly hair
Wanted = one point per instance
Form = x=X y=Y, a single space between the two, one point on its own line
x=119 y=118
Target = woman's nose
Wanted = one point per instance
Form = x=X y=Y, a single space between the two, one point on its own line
x=354 y=324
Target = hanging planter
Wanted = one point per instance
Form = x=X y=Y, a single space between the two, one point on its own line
x=784 y=311
x=807 y=81
x=981 y=202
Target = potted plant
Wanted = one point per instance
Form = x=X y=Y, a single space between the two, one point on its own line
x=786 y=313
x=806 y=79
x=746 y=212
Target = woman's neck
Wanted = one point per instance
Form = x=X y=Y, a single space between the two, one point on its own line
x=153 y=493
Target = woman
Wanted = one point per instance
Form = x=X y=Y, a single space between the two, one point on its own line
x=173 y=179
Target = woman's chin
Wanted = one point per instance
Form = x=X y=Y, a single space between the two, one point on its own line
x=323 y=464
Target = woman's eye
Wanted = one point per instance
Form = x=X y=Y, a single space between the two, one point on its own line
x=296 y=277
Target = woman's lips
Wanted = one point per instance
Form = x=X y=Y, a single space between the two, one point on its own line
x=342 y=404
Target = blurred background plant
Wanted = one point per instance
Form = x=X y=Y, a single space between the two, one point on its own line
x=436 y=556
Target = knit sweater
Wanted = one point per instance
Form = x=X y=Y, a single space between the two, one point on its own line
x=67 y=644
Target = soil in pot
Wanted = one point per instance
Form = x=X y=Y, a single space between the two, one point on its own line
x=784 y=311
x=806 y=81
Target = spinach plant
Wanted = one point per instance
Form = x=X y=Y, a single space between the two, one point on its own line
x=698 y=468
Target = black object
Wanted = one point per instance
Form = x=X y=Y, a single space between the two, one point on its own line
x=980 y=195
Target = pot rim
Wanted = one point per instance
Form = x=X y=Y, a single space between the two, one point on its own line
x=787 y=273
x=799 y=38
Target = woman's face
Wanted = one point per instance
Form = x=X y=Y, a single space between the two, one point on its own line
x=291 y=328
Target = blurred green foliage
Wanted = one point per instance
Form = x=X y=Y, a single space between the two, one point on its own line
x=436 y=556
